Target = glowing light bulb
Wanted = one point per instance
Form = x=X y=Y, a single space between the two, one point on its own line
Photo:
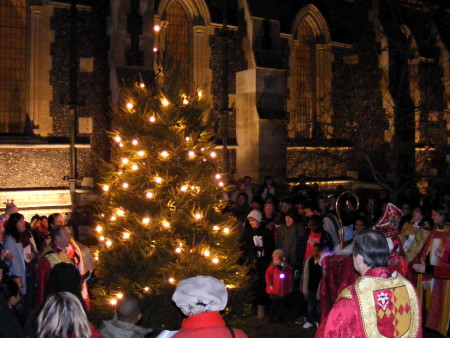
x=226 y=230
x=142 y=85
x=119 y=295
x=101 y=238
x=220 y=184
x=108 y=243
x=125 y=160
x=126 y=235
x=130 y=105
x=171 y=280
x=165 y=154
x=113 y=302
x=282 y=275
x=117 y=138
x=178 y=250
x=155 y=49
x=198 y=216
x=120 y=145
x=165 y=102
x=184 y=188
x=204 y=160
x=218 y=176
x=125 y=185
x=120 y=212
x=96 y=258
x=185 y=101
x=105 y=187
x=103 y=215
x=119 y=173
x=99 y=228
x=216 y=228
x=213 y=154
x=187 y=138
x=215 y=260
x=146 y=220
x=200 y=93
x=149 y=194
x=113 y=218
x=156 y=28
x=134 y=167
x=166 y=224
x=207 y=253
x=202 y=149
x=141 y=153
x=146 y=289
x=135 y=142
x=158 y=179
x=152 y=119
x=191 y=154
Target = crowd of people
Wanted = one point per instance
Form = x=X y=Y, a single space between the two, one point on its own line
x=289 y=241
x=288 y=236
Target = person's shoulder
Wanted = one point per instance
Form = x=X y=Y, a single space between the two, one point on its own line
x=346 y=293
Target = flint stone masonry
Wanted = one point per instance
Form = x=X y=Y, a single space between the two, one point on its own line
x=39 y=167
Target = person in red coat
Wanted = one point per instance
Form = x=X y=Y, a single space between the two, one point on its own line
x=379 y=304
x=200 y=299
x=279 y=284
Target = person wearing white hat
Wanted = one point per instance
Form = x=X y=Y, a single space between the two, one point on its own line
x=257 y=244
x=200 y=299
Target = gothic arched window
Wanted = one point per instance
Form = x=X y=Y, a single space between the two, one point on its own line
x=178 y=41
x=13 y=40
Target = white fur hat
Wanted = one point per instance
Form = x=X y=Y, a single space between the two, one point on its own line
x=256 y=215
x=200 y=294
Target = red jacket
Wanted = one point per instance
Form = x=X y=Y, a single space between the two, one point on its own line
x=281 y=280
x=208 y=324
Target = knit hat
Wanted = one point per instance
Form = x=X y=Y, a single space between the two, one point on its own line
x=200 y=294
x=278 y=253
x=256 y=215
x=292 y=213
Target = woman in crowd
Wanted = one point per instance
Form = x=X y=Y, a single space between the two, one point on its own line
x=63 y=316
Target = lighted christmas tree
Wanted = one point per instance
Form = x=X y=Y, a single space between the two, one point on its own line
x=160 y=217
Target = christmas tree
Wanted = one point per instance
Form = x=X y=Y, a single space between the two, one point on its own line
x=160 y=217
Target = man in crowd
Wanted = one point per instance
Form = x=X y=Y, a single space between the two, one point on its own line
x=59 y=250
x=378 y=304
x=127 y=315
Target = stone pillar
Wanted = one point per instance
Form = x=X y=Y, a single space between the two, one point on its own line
x=261 y=123
x=41 y=37
x=201 y=57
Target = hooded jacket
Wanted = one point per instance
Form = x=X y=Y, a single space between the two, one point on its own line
x=115 y=328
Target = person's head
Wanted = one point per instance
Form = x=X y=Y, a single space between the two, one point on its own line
x=15 y=225
x=370 y=250
x=268 y=209
x=279 y=217
x=417 y=214
x=315 y=223
x=200 y=294
x=290 y=218
x=55 y=220
x=316 y=250
x=439 y=214
x=242 y=199
x=322 y=204
x=311 y=209
x=255 y=218
x=360 y=224
x=44 y=222
x=248 y=180
x=371 y=204
x=61 y=236
x=63 y=316
x=300 y=208
x=406 y=209
x=17 y=280
x=278 y=256
x=285 y=206
x=256 y=203
x=129 y=309
x=10 y=292
x=268 y=181
x=35 y=221
x=64 y=277
x=11 y=208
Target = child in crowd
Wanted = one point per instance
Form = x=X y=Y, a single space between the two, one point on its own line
x=312 y=273
x=279 y=281
x=317 y=235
